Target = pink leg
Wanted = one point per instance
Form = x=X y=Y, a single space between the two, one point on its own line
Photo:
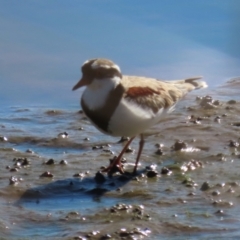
x=141 y=144
x=117 y=161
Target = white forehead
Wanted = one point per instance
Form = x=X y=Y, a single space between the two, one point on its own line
x=96 y=65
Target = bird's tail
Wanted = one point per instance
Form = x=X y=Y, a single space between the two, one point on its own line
x=189 y=84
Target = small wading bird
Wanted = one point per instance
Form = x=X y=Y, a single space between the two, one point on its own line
x=120 y=105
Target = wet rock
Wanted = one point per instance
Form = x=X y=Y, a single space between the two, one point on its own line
x=196 y=121
x=13 y=170
x=217 y=119
x=18 y=162
x=216 y=102
x=191 y=165
x=221 y=185
x=80 y=175
x=205 y=186
x=72 y=215
x=53 y=112
x=233 y=144
x=216 y=193
x=13 y=180
x=189 y=182
x=63 y=135
x=179 y=145
x=192 y=194
x=86 y=139
x=97 y=147
x=152 y=174
x=229 y=108
x=47 y=174
x=25 y=162
x=207 y=102
x=232 y=102
x=120 y=207
x=219 y=212
x=92 y=234
x=151 y=167
x=237 y=124
x=79 y=238
x=159 y=145
x=29 y=151
x=50 y=162
x=222 y=203
x=234 y=184
x=106 y=237
x=129 y=150
x=159 y=151
x=3 y=139
x=230 y=190
x=63 y=162
x=108 y=151
x=99 y=178
x=166 y=171
x=135 y=233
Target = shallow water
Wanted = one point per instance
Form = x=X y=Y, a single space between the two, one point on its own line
x=170 y=206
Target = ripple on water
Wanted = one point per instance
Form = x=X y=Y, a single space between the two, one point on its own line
x=150 y=205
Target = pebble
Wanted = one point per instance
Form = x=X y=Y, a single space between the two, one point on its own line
x=151 y=173
x=13 y=170
x=159 y=151
x=233 y=144
x=205 y=186
x=129 y=150
x=63 y=162
x=81 y=175
x=151 y=167
x=63 y=135
x=3 y=139
x=166 y=171
x=97 y=147
x=159 y=145
x=237 y=124
x=13 y=180
x=217 y=119
x=232 y=102
x=47 y=174
x=216 y=193
x=219 y=212
x=179 y=145
x=29 y=151
x=50 y=162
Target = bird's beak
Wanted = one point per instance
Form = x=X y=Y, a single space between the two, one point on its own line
x=82 y=82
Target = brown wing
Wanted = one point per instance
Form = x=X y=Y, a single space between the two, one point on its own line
x=155 y=94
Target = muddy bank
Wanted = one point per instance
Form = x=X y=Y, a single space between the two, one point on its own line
x=187 y=185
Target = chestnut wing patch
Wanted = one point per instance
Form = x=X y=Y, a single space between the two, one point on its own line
x=150 y=98
x=135 y=92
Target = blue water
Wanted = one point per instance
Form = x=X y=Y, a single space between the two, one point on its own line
x=41 y=50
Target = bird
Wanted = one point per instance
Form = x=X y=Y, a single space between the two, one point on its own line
x=121 y=105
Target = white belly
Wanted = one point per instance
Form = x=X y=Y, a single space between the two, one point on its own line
x=129 y=119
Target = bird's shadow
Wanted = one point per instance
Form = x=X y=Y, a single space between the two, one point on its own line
x=93 y=187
